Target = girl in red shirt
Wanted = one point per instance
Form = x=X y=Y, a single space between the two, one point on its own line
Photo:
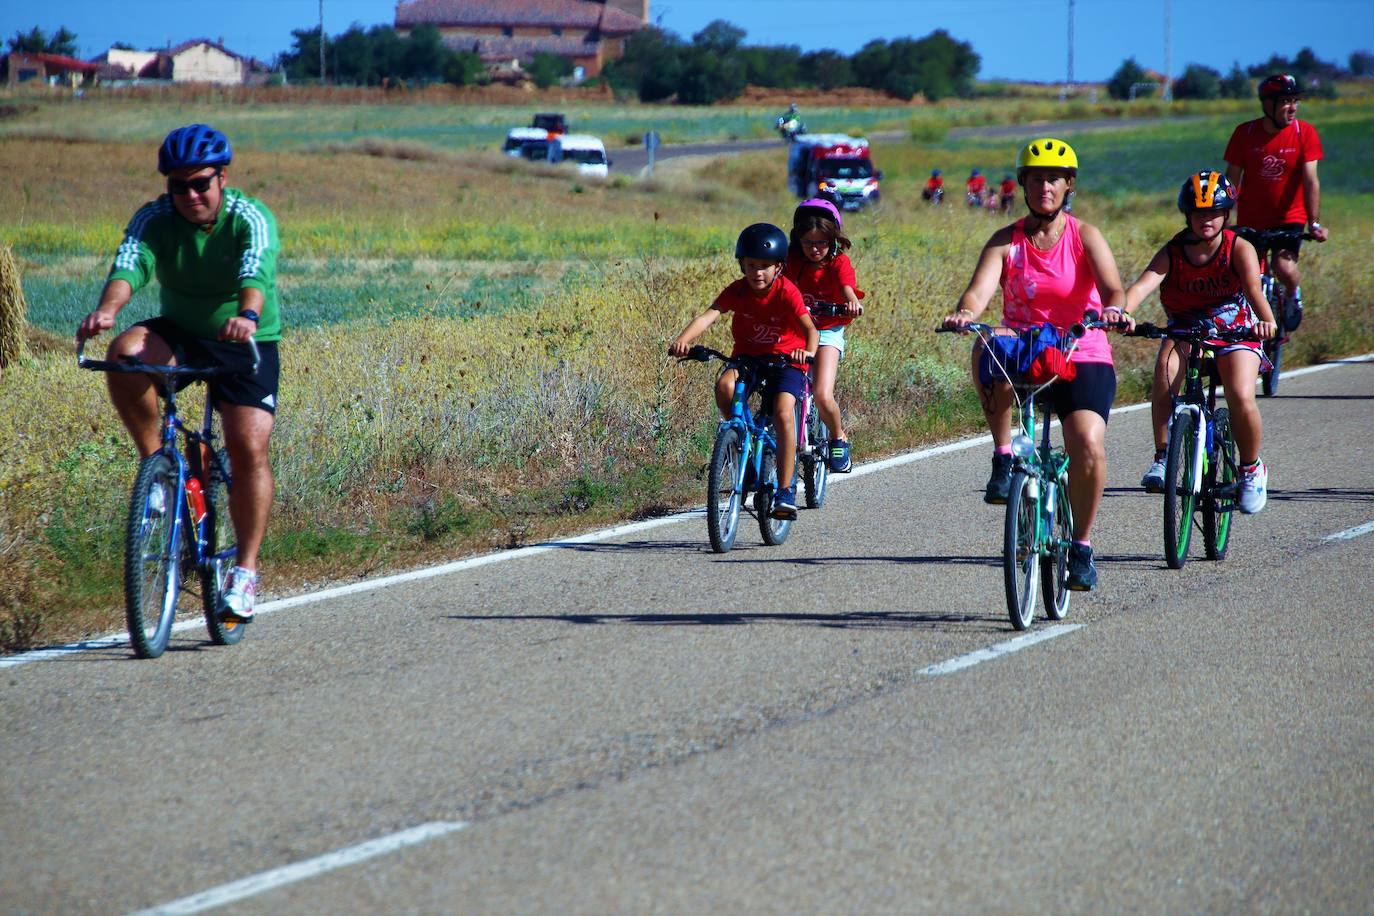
x=817 y=264
x=1208 y=275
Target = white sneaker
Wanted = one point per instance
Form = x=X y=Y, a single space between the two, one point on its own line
x=1254 y=488
x=240 y=594
x=1153 y=481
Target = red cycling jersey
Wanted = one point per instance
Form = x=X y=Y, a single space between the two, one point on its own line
x=823 y=282
x=1271 y=187
x=1192 y=292
x=766 y=325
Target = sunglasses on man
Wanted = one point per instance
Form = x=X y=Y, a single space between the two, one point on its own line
x=200 y=185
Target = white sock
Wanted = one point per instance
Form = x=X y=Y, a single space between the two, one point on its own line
x=1295 y=295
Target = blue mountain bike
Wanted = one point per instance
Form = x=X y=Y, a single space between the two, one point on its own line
x=178 y=523
x=744 y=457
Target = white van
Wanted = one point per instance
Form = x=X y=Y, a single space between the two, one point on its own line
x=586 y=151
x=529 y=142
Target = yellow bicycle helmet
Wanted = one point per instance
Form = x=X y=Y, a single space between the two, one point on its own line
x=1047 y=152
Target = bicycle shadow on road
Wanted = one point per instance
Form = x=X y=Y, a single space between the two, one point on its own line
x=871 y=560
x=849 y=620
x=1323 y=494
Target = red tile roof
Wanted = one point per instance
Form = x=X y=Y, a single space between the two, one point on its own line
x=576 y=14
x=58 y=61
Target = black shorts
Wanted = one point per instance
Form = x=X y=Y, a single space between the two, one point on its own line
x=1293 y=242
x=1093 y=388
x=256 y=390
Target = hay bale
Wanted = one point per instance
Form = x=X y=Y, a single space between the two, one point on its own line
x=13 y=310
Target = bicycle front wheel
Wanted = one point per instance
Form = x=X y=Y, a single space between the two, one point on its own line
x=152 y=562
x=1179 y=499
x=774 y=530
x=220 y=551
x=722 y=497
x=1021 y=548
x=1054 y=566
x=816 y=467
x=1218 y=510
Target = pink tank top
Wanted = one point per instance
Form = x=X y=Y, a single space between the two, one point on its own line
x=1054 y=286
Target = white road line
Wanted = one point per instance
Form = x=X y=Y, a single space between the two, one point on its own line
x=299 y=871
x=594 y=537
x=1000 y=649
x=1349 y=533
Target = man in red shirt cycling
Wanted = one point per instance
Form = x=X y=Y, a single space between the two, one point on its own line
x=1273 y=161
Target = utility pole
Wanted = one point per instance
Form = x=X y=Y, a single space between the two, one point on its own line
x=1071 y=44
x=1168 y=51
x=321 y=42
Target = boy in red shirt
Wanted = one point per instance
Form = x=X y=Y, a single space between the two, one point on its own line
x=935 y=187
x=770 y=319
x=1008 y=189
x=976 y=186
x=1273 y=162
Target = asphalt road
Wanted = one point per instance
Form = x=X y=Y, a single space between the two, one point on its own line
x=633 y=161
x=637 y=724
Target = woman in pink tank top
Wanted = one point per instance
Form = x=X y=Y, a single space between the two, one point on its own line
x=1050 y=267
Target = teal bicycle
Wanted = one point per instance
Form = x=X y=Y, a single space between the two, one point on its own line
x=1038 y=528
x=178 y=524
x=743 y=458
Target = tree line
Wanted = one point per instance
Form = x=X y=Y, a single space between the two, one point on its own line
x=1199 y=81
x=716 y=65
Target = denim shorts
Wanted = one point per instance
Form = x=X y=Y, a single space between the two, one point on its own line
x=833 y=337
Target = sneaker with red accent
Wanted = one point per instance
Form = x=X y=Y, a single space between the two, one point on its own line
x=1254 y=487
x=240 y=594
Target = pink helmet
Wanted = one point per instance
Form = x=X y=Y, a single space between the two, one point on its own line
x=819 y=203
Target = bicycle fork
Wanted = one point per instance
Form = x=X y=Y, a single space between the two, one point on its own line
x=1192 y=414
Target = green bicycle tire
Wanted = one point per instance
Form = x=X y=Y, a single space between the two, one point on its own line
x=1217 y=515
x=1179 y=499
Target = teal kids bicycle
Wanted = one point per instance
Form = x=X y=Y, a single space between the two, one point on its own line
x=1038 y=528
x=178 y=525
x=743 y=458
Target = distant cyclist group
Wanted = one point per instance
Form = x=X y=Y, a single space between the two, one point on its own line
x=213 y=251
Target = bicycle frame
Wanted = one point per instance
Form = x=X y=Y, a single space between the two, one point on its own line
x=756 y=433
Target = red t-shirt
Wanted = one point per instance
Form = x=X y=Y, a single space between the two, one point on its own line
x=933 y=183
x=1008 y=187
x=977 y=183
x=764 y=326
x=1270 y=191
x=823 y=282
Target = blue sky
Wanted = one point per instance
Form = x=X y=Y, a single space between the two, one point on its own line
x=1017 y=39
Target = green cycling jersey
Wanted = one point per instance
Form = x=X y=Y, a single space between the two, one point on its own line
x=200 y=273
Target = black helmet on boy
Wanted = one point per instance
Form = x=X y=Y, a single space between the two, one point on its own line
x=1206 y=190
x=763 y=242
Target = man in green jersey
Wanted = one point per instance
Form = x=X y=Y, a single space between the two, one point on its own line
x=213 y=251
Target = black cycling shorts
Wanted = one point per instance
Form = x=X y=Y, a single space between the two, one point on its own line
x=256 y=390
x=1093 y=388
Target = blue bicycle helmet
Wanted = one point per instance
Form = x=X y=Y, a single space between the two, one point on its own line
x=192 y=147
x=934 y=173
x=763 y=241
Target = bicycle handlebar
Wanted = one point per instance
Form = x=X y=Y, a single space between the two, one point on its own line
x=134 y=364
x=1194 y=334
x=829 y=309
x=701 y=354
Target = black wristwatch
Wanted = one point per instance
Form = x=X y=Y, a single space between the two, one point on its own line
x=250 y=315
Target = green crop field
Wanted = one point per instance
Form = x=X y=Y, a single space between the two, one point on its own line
x=475 y=350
